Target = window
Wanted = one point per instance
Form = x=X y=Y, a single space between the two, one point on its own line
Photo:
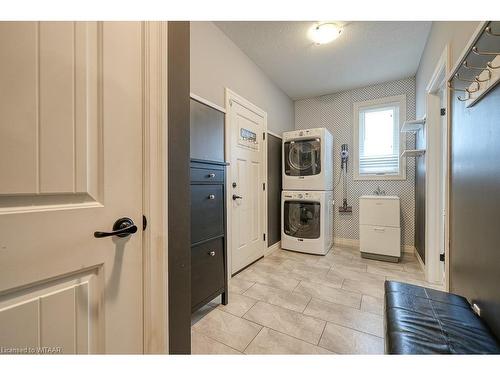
x=378 y=142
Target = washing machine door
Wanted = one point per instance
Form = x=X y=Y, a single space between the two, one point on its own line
x=303 y=157
x=302 y=219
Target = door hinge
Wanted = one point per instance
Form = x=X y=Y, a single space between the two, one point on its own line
x=443 y=111
x=264 y=136
x=263 y=186
x=264 y=236
x=441 y=257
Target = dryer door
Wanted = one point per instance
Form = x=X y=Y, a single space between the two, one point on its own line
x=303 y=158
x=302 y=219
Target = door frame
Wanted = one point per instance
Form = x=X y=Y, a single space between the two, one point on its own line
x=155 y=182
x=229 y=97
x=433 y=156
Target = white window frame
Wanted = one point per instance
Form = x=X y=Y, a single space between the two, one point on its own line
x=397 y=100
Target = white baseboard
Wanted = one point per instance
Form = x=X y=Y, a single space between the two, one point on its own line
x=272 y=248
x=352 y=242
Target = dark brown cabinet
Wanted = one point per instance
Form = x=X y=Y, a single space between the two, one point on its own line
x=208 y=206
x=208 y=240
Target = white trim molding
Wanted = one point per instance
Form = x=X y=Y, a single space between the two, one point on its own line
x=207 y=102
x=400 y=100
x=436 y=203
x=155 y=260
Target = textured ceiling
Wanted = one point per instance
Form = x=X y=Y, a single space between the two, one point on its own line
x=366 y=53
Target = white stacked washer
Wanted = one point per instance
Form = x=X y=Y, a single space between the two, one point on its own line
x=307 y=197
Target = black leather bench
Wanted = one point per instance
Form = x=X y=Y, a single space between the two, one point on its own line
x=426 y=321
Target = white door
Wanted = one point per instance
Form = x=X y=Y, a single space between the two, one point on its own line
x=247 y=125
x=70 y=165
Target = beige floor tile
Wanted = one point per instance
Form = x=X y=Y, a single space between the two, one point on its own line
x=372 y=305
x=371 y=288
x=300 y=257
x=348 y=273
x=279 y=297
x=269 y=341
x=305 y=269
x=238 y=304
x=330 y=279
x=344 y=340
x=413 y=267
x=381 y=264
x=201 y=344
x=346 y=316
x=353 y=264
x=395 y=274
x=286 y=321
x=268 y=278
x=335 y=295
x=228 y=329
x=238 y=285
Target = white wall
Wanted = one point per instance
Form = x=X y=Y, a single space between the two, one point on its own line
x=457 y=34
x=216 y=63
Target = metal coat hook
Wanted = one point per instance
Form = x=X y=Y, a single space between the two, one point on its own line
x=490 y=65
x=476 y=80
x=464 y=99
x=466 y=65
x=484 y=53
x=489 y=32
x=463 y=90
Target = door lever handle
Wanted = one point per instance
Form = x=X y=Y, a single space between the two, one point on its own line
x=122 y=227
x=237 y=197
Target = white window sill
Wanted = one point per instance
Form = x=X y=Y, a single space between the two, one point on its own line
x=374 y=177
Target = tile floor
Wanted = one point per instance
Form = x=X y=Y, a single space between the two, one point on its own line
x=293 y=303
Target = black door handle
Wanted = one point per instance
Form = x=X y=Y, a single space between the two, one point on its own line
x=122 y=227
x=236 y=197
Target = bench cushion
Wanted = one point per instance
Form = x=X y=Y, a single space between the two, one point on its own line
x=420 y=320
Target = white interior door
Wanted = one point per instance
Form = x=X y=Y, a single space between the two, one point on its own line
x=70 y=165
x=247 y=193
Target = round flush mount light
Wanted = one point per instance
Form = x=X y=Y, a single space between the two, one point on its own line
x=326 y=32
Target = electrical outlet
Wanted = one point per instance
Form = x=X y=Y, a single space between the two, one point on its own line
x=476 y=309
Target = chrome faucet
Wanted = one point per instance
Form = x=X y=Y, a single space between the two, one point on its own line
x=378 y=191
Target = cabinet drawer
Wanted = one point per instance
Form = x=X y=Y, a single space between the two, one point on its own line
x=207 y=212
x=380 y=240
x=382 y=212
x=207 y=175
x=207 y=269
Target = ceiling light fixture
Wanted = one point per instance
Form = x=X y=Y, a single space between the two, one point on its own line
x=322 y=33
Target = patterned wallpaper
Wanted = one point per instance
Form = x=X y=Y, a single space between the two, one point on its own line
x=334 y=112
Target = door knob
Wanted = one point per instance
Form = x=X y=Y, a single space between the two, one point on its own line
x=122 y=227
x=237 y=197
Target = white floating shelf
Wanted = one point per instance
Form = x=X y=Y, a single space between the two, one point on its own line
x=413 y=126
x=412 y=153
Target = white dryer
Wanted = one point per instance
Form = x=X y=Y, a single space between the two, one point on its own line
x=307 y=221
x=308 y=160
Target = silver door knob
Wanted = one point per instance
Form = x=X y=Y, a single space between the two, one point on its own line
x=212 y=253
x=211 y=196
x=211 y=175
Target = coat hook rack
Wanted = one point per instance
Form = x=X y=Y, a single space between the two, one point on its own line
x=479 y=75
